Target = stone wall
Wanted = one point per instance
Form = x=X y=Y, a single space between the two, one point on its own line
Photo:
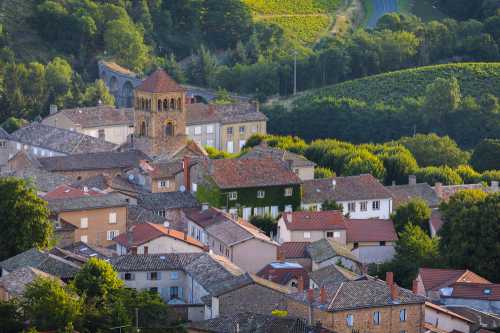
x=252 y=298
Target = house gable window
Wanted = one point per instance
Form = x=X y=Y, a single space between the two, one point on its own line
x=233 y=195
x=261 y=194
x=164 y=184
x=351 y=206
x=350 y=320
x=363 y=206
x=288 y=192
x=376 y=205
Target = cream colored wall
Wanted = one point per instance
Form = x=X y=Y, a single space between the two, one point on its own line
x=444 y=321
x=260 y=127
x=114 y=134
x=253 y=255
x=59 y=120
x=298 y=236
x=168 y=245
x=305 y=173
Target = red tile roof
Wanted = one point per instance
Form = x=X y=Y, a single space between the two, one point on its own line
x=243 y=173
x=279 y=273
x=142 y=233
x=66 y=192
x=448 y=312
x=305 y=220
x=436 y=278
x=370 y=230
x=294 y=249
x=483 y=291
x=160 y=82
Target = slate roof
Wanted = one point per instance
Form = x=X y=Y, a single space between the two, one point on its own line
x=136 y=214
x=370 y=230
x=437 y=278
x=153 y=262
x=44 y=181
x=306 y=220
x=244 y=280
x=482 y=291
x=201 y=113
x=332 y=274
x=245 y=173
x=359 y=294
x=46 y=262
x=166 y=200
x=488 y=320
x=146 y=232
x=99 y=116
x=324 y=249
x=167 y=169
x=362 y=187
x=15 y=282
x=89 y=251
x=159 y=82
x=88 y=202
x=60 y=140
x=250 y=322
x=294 y=249
x=94 y=161
x=105 y=182
x=4 y=135
x=205 y=218
x=401 y=194
x=263 y=151
x=239 y=112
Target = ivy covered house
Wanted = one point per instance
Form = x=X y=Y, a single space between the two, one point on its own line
x=251 y=186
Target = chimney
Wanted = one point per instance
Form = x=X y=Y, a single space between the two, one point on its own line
x=322 y=295
x=280 y=255
x=389 y=278
x=310 y=296
x=438 y=188
x=300 y=284
x=52 y=109
x=186 y=163
x=412 y=180
x=334 y=183
x=494 y=186
x=395 y=292
x=414 y=286
x=185 y=236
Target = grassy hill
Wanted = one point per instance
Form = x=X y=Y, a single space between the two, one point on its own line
x=475 y=79
x=302 y=20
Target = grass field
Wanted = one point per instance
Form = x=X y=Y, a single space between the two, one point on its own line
x=303 y=21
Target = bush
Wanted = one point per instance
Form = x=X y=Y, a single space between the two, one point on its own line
x=490 y=175
x=320 y=172
x=444 y=175
x=468 y=174
x=486 y=156
x=265 y=223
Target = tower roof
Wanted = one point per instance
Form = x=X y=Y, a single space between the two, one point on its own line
x=160 y=82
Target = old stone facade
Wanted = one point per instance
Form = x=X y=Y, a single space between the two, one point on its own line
x=235 y=135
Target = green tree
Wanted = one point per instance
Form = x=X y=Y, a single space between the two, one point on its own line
x=489 y=103
x=97 y=93
x=265 y=223
x=432 y=175
x=415 y=212
x=398 y=162
x=486 y=155
x=442 y=97
x=50 y=305
x=490 y=175
x=203 y=68
x=24 y=219
x=331 y=205
x=320 y=172
x=468 y=174
x=11 y=320
x=58 y=76
x=174 y=69
x=223 y=97
x=254 y=140
x=97 y=279
x=472 y=230
x=433 y=150
x=13 y=123
x=361 y=162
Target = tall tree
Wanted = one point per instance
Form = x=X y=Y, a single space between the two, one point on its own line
x=416 y=212
x=97 y=93
x=443 y=96
x=486 y=156
x=97 y=279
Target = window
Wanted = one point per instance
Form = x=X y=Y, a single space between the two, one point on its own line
x=351 y=206
x=111 y=234
x=154 y=276
x=230 y=147
x=153 y=289
x=363 y=206
x=329 y=234
x=112 y=217
x=376 y=205
x=101 y=134
x=161 y=213
x=128 y=276
x=376 y=317
x=288 y=192
x=197 y=130
x=382 y=243
x=402 y=315
x=164 y=184
x=350 y=320
x=307 y=235
x=84 y=238
x=174 y=292
x=261 y=194
x=84 y=222
x=174 y=275
x=146 y=250
x=35 y=151
x=210 y=142
x=274 y=211
x=259 y=211
x=355 y=245
x=227 y=253
x=242 y=129
x=194 y=187
x=336 y=234
x=210 y=129
x=242 y=143
x=229 y=131
x=254 y=129
x=288 y=208
x=233 y=195
x=18 y=146
x=3 y=144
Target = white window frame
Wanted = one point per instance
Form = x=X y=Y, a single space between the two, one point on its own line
x=349 y=320
x=402 y=315
x=351 y=207
x=376 y=205
x=242 y=143
x=307 y=235
x=288 y=208
x=261 y=194
x=363 y=206
x=84 y=239
x=336 y=234
x=233 y=195
x=230 y=147
x=377 y=318
x=111 y=234
x=210 y=129
x=194 y=187
x=210 y=142
x=164 y=183
x=112 y=218
x=197 y=130
x=84 y=222
x=288 y=191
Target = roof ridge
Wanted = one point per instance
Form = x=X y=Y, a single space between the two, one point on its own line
x=336 y=294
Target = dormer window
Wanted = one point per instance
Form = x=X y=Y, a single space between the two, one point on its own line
x=487 y=291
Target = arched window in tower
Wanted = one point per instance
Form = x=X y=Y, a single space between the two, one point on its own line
x=179 y=104
x=165 y=104
x=159 y=105
x=142 y=131
x=143 y=106
x=172 y=104
x=169 y=129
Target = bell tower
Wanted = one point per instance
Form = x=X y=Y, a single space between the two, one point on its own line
x=159 y=108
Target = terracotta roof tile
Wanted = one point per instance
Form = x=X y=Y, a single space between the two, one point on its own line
x=483 y=291
x=370 y=230
x=436 y=278
x=294 y=249
x=324 y=220
x=66 y=192
x=283 y=272
x=159 y=82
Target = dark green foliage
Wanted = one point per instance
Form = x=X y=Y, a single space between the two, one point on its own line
x=253 y=141
x=444 y=175
x=11 y=320
x=13 y=123
x=265 y=223
x=399 y=163
x=274 y=196
x=471 y=231
x=320 y=172
x=24 y=219
x=490 y=175
x=486 y=155
x=416 y=212
x=331 y=205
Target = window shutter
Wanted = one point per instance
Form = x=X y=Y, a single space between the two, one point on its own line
x=159 y=275
x=181 y=292
x=148 y=275
x=132 y=275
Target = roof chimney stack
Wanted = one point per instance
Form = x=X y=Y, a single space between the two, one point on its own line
x=310 y=295
x=395 y=293
x=52 y=109
x=300 y=284
x=414 y=286
x=412 y=180
x=389 y=279
x=322 y=295
x=280 y=255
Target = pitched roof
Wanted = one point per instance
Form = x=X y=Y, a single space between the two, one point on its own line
x=159 y=82
x=143 y=233
x=448 y=312
x=370 y=230
x=201 y=113
x=283 y=272
x=205 y=218
x=263 y=151
x=44 y=181
x=153 y=262
x=306 y=220
x=239 y=112
x=244 y=173
x=294 y=249
x=167 y=169
x=16 y=281
x=89 y=251
x=488 y=320
x=108 y=200
x=324 y=249
x=358 y=294
x=437 y=278
x=4 y=135
x=166 y=200
x=332 y=274
x=403 y=193
x=117 y=68
x=99 y=116
x=483 y=291
x=60 y=140
x=94 y=161
x=65 y=192
x=44 y=261
x=247 y=279
x=136 y=214
x=362 y=187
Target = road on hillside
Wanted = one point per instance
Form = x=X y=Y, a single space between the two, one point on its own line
x=381 y=7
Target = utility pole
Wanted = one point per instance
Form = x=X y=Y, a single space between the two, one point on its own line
x=295 y=72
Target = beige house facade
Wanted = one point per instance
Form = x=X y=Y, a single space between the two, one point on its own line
x=235 y=135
